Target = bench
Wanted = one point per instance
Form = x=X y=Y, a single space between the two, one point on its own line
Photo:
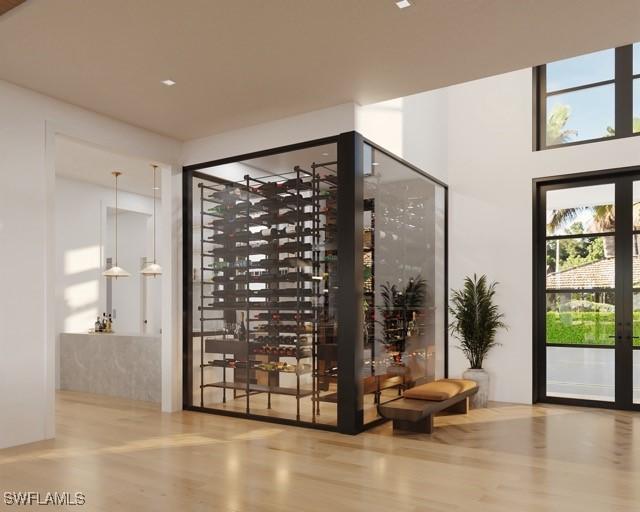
x=414 y=411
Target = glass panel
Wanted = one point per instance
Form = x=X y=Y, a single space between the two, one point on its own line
x=636 y=105
x=404 y=301
x=636 y=59
x=581 y=115
x=264 y=295
x=585 y=373
x=636 y=303
x=636 y=211
x=581 y=210
x=581 y=318
x=582 y=70
x=581 y=263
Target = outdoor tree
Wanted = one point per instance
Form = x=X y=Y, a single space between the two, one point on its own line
x=557 y=133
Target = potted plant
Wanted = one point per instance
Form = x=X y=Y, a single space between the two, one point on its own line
x=475 y=321
x=398 y=313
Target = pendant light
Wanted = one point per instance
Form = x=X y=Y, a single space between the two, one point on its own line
x=153 y=269
x=115 y=271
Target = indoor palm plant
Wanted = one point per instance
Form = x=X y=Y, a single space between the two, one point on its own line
x=475 y=319
x=399 y=308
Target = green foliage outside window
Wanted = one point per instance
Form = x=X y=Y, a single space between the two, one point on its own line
x=585 y=328
x=576 y=251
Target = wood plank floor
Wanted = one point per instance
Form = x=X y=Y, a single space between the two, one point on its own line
x=127 y=455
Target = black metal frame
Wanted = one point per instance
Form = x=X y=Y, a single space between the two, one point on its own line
x=623 y=179
x=623 y=82
x=350 y=205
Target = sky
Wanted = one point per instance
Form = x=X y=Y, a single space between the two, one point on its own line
x=592 y=110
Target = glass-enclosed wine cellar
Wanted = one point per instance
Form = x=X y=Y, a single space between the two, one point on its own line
x=314 y=284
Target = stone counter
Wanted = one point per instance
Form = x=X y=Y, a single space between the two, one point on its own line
x=122 y=365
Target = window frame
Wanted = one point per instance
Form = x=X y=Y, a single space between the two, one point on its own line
x=623 y=97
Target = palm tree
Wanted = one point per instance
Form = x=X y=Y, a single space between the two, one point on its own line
x=603 y=217
x=611 y=131
x=475 y=318
x=556 y=122
x=398 y=309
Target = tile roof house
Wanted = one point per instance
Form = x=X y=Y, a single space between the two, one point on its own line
x=598 y=274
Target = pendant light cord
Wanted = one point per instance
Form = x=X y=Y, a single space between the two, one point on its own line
x=116 y=220
x=155 y=168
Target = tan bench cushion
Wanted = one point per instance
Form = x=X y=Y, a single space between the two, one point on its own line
x=440 y=390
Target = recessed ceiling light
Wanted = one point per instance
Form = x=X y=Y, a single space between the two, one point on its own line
x=325 y=154
x=375 y=163
x=168 y=82
x=403 y=3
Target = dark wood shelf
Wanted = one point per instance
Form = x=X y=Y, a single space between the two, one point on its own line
x=275 y=390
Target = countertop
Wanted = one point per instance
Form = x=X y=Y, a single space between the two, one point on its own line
x=116 y=364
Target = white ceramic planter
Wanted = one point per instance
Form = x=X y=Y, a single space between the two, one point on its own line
x=481 y=398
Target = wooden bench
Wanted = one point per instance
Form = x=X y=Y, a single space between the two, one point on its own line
x=416 y=414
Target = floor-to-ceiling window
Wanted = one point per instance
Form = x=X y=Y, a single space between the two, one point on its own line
x=587 y=289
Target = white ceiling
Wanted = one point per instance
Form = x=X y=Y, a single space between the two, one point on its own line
x=81 y=161
x=241 y=62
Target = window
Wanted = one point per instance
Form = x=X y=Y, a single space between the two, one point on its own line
x=588 y=98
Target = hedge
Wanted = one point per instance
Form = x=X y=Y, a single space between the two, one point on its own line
x=585 y=328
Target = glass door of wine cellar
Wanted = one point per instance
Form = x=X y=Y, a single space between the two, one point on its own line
x=587 y=290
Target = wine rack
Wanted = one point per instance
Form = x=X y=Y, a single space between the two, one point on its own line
x=268 y=265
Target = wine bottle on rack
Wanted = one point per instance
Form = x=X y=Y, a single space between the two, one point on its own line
x=285 y=218
x=272 y=187
x=242 y=330
x=218 y=210
x=293 y=262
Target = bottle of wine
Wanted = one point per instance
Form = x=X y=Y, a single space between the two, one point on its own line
x=412 y=326
x=242 y=330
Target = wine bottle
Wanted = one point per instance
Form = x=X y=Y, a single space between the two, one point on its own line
x=242 y=330
x=218 y=210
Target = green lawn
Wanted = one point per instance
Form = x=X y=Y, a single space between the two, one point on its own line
x=585 y=328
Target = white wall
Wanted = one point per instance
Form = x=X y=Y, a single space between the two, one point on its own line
x=490 y=167
x=134 y=244
x=301 y=128
x=28 y=124
x=485 y=154
x=414 y=128
x=83 y=242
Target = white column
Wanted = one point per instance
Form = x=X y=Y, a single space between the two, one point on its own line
x=170 y=258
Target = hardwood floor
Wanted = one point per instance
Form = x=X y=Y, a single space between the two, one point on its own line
x=127 y=455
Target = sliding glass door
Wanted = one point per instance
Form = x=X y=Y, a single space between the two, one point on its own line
x=587 y=298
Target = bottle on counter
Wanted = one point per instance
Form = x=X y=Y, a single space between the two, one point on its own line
x=97 y=326
x=104 y=322
x=109 y=324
